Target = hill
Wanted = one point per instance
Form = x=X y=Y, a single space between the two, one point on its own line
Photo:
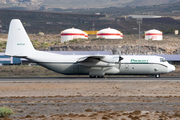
x=47 y=22
x=76 y=4
x=53 y=23
x=151 y=2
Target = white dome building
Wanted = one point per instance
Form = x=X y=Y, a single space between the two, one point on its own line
x=153 y=35
x=72 y=33
x=109 y=33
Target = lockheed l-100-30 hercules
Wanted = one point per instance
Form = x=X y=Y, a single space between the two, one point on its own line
x=19 y=45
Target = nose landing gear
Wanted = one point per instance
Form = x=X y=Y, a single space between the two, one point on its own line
x=157 y=76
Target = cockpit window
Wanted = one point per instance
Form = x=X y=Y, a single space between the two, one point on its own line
x=162 y=60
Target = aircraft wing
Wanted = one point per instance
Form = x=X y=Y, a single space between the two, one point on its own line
x=99 y=60
x=87 y=58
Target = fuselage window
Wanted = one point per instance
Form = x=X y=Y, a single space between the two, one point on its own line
x=162 y=60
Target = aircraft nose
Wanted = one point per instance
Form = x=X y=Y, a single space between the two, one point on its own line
x=171 y=68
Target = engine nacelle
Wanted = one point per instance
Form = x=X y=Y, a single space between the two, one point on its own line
x=99 y=61
x=111 y=70
x=96 y=64
x=111 y=59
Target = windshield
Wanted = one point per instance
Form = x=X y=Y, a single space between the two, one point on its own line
x=162 y=60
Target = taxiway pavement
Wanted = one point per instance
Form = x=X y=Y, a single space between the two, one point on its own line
x=27 y=79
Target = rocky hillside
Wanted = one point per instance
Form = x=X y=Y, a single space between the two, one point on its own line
x=53 y=23
x=65 y=4
x=118 y=49
x=129 y=45
x=151 y=2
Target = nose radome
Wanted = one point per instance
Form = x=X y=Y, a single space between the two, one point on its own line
x=171 y=68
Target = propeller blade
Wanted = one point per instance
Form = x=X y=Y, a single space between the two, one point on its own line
x=120 y=58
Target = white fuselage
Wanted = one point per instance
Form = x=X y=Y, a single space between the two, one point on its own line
x=131 y=64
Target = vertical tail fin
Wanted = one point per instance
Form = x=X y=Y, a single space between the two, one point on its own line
x=18 y=43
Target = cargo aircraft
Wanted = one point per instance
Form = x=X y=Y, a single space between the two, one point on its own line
x=19 y=45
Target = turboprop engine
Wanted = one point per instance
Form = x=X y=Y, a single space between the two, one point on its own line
x=112 y=59
x=99 y=61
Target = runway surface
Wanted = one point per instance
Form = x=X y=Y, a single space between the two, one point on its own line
x=25 y=79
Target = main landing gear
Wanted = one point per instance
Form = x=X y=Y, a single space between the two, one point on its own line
x=157 y=76
x=96 y=76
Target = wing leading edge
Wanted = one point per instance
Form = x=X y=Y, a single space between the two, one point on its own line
x=99 y=60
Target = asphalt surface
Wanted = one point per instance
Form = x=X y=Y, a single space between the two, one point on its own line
x=25 y=79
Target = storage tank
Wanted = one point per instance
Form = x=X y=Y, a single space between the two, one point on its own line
x=72 y=33
x=153 y=35
x=109 y=33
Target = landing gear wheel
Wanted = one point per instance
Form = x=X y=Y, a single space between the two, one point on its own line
x=100 y=76
x=157 y=76
x=92 y=76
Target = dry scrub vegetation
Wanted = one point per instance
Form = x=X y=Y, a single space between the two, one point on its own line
x=87 y=100
x=27 y=71
x=45 y=41
x=107 y=115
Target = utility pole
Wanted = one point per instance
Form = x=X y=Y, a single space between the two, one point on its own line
x=178 y=49
x=139 y=21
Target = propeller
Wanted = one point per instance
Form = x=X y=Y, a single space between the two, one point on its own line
x=120 y=58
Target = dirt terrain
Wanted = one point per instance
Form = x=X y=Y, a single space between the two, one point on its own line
x=92 y=100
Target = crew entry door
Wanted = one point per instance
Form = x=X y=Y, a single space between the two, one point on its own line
x=126 y=67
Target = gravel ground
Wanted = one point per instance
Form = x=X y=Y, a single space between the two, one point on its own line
x=92 y=100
